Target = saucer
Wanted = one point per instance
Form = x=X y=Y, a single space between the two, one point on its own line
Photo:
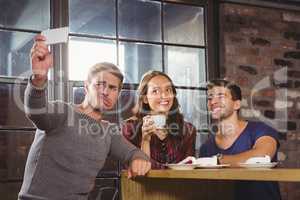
x=258 y=165
x=213 y=166
x=181 y=166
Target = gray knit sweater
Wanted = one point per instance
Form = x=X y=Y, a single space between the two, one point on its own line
x=68 y=150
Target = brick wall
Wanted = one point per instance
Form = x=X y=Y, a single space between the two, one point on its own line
x=260 y=51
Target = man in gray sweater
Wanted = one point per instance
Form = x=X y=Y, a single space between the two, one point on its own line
x=72 y=142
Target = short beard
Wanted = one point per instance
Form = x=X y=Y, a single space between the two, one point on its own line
x=222 y=117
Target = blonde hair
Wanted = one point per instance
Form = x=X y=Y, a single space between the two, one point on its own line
x=108 y=67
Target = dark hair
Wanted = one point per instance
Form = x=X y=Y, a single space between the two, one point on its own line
x=234 y=89
x=174 y=115
x=108 y=67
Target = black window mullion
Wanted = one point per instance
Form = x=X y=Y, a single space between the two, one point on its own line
x=117 y=28
x=162 y=36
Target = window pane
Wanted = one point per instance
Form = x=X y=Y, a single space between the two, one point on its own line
x=97 y=17
x=135 y=59
x=126 y=102
x=183 y=24
x=78 y=95
x=15 y=48
x=84 y=53
x=33 y=14
x=140 y=19
x=14 y=148
x=193 y=106
x=186 y=66
x=12 y=106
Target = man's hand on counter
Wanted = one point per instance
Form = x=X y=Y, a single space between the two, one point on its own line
x=138 y=167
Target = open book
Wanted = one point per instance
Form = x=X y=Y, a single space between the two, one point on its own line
x=204 y=161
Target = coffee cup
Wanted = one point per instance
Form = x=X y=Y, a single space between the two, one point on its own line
x=159 y=120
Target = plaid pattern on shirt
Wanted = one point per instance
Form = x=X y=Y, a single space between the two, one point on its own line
x=174 y=148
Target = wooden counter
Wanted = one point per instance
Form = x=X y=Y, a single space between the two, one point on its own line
x=197 y=184
x=230 y=174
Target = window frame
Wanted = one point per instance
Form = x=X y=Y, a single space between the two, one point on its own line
x=59 y=17
x=210 y=9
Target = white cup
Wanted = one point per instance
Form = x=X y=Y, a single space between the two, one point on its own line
x=159 y=120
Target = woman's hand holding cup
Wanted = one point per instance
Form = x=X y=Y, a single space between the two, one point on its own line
x=154 y=124
x=148 y=128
